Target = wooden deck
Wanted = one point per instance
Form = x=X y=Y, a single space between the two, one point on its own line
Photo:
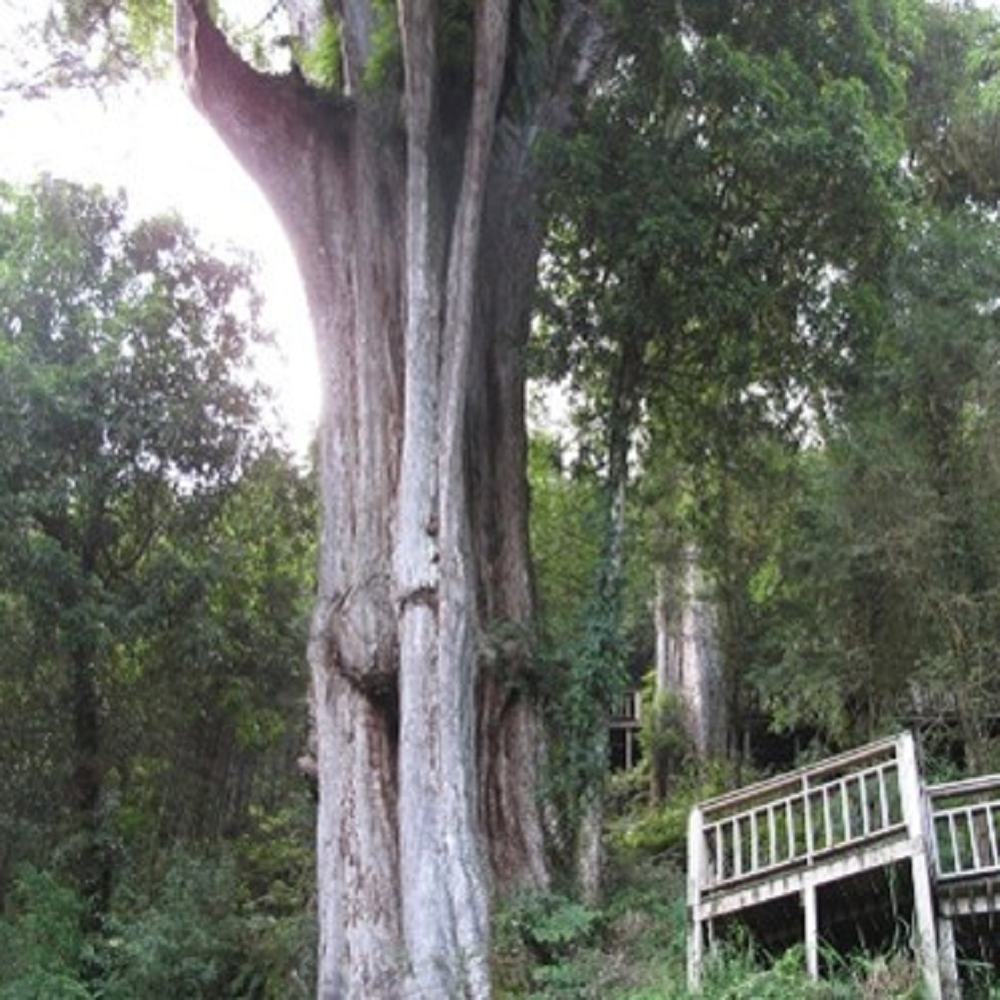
x=838 y=849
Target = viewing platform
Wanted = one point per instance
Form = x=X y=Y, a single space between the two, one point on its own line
x=854 y=852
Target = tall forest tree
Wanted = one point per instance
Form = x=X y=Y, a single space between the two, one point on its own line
x=721 y=231
x=398 y=154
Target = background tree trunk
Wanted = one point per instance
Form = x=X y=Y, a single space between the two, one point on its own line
x=688 y=661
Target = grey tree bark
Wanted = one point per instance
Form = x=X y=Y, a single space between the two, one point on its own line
x=688 y=659
x=414 y=220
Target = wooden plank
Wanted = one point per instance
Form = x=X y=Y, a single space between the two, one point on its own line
x=732 y=899
x=977 y=903
x=947 y=878
x=697 y=872
x=918 y=824
x=965 y=787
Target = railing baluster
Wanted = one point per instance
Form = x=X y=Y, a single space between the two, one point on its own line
x=790 y=832
x=810 y=831
x=772 y=836
x=956 y=854
x=899 y=796
x=866 y=820
x=991 y=830
x=970 y=814
x=846 y=808
x=737 y=848
x=883 y=796
x=827 y=818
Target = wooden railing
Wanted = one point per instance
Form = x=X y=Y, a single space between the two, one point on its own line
x=624 y=735
x=801 y=817
x=854 y=813
x=966 y=817
x=790 y=835
x=626 y=708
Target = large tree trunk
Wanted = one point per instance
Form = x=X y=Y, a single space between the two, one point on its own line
x=417 y=234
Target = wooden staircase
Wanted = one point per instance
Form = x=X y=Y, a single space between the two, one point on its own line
x=854 y=845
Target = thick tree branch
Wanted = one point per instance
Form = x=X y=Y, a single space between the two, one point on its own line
x=357 y=27
x=491 y=35
x=268 y=121
x=581 y=44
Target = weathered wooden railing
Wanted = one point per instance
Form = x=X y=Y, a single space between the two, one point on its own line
x=966 y=828
x=791 y=834
x=624 y=725
x=966 y=821
x=798 y=818
x=849 y=814
x=626 y=707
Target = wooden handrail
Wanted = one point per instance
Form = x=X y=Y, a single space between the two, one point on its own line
x=766 y=787
x=812 y=820
x=965 y=786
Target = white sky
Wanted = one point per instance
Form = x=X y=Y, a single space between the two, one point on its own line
x=153 y=144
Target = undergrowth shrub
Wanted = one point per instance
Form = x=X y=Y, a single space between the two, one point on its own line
x=178 y=938
x=634 y=948
x=219 y=925
x=200 y=933
x=661 y=829
x=536 y=937
x=42 y=947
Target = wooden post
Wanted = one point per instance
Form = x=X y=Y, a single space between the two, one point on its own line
x=950 y=986
x=811 y=915
x=697 y=867
x=915 y=814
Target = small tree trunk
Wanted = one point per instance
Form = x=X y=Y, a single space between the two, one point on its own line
x=93 y=863
x=659 y=764
x=93 y=860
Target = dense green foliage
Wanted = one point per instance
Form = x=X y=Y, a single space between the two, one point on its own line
x=155 y=552
x=771 y=291
x=717 y=257
x=772 y=263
